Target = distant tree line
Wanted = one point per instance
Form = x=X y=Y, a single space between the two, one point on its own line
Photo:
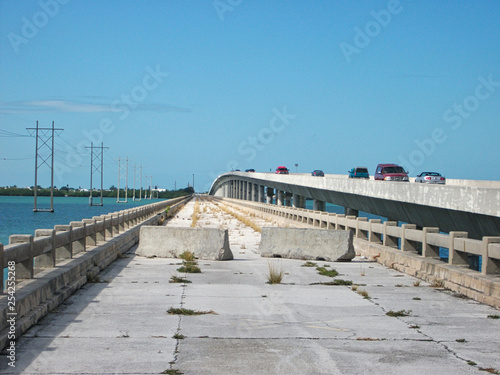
x=110 y=193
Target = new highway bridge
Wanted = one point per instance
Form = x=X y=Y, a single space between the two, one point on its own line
x=460 y=205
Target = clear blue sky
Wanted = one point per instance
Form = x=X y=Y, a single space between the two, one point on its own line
x=200 y=87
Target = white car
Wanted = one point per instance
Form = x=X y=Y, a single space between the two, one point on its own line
x=430 y=178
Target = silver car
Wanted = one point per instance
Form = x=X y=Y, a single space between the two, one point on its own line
x=430 y=178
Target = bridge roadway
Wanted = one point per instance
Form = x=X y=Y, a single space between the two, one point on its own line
x=461 y=205
x=121 y=325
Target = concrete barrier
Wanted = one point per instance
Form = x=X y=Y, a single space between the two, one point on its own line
x=300 y=243
x=170 y=242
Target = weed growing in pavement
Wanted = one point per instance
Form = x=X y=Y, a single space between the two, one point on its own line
x=416 y=283
x=187 y=256
x=460 y=340
x=324 y=272
x=189 y=268
x=397 y=314
x=177 y=279
x=183 y=311
x=414 y=326
x=363 y=293
x=354 y=288
x=416 y=298
x=172 y=372
x=196 y=214
x=178 y=336
x=276 y=274
x=494 y=316
x=309 y=264
x=335 y=282
x=437 y=283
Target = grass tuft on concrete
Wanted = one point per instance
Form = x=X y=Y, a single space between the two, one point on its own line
x=326 y=272
x=177 y=279
x=276 y=274
x=397 y=314
x=183 y=311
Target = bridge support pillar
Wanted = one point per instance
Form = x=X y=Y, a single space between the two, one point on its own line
x=261 y=194
x=351 y=212
x=288 y=199
x=319 y=205
x=280 y=197
x=269 y=197
x=248 y=195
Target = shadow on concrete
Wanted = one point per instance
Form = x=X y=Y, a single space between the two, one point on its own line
x=40 y=343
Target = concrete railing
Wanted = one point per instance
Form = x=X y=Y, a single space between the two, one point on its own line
x=408 y=249
x=425 y=241
x=50 y=266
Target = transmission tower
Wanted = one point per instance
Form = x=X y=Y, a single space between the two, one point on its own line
x=138 y=179
x=96 y=167
x=122 y=174
x=44 y=141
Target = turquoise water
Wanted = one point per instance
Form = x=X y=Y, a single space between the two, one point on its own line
x=17 y=216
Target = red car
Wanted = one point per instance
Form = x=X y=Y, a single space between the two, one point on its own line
x=281 y=170
x=391 y=172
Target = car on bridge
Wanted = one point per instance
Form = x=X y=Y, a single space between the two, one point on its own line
x=430 y=178
x=391 y=172
x=318 y=173
x=250 y=170
x=282 y=170
x=359 y=172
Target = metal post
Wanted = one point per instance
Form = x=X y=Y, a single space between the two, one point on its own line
x=35 y=209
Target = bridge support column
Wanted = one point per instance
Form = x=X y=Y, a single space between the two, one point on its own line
x=288 y=199
x=351 y=212
x=269 y=196
x=280 y=197
x=249 y=187
x=319 y=205
x=255 y=193
x=261 y=194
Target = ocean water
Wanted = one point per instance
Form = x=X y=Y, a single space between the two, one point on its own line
x=17 y=216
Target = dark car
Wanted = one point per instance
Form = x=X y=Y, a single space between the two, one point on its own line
x=250 y=170
x=391 y=172
x=359 y=172
x=281 y=170
x=318 y=172
x=430 y=178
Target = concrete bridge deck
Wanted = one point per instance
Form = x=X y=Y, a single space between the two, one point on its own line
x=121 y=325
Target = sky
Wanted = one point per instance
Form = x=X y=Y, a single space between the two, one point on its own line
x=191 y=89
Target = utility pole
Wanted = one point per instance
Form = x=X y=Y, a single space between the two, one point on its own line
x=44 y=136
x=136 y=179
x=193 y=182
x=97 y=168
x=122 y=173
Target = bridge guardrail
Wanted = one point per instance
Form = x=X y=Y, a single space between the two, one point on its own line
x=48 y=247
x=425 y=241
